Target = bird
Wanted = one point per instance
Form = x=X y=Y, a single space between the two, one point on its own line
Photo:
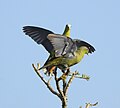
x=64 y=51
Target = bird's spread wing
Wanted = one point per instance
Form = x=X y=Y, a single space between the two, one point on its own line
x=62 y=45
x=39 y=35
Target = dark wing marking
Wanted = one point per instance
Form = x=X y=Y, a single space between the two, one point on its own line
x=39 y=35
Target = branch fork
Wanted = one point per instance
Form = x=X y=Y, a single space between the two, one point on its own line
x=61 y=92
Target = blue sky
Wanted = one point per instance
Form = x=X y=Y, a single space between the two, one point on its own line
x=96 y=21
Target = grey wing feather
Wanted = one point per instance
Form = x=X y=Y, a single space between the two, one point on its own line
x=39 y=35
x=62 y=45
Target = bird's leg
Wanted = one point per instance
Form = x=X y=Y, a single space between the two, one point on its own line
x=65 y=70
x=62 y=77
x=65 y=74
x=68 y=71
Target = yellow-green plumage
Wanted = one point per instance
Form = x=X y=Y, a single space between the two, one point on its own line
x=64 y=51
x=67 y=30
x=79 y=54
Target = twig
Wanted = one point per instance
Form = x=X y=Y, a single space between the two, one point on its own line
x=88 y=105
x=58 y=86
x=83 y=76
x=49 y=80
x=62 y=94
x=45 y=82
x=69 y=82
x=64 y=85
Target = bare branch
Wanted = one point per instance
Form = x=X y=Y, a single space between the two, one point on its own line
x=58 y=86
x=45 y=82
x=62 y=94
x=64 y=85
x=69 y=82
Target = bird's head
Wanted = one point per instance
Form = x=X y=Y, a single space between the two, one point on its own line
x=84 y=46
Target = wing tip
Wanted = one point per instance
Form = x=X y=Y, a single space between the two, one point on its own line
x=91 y=49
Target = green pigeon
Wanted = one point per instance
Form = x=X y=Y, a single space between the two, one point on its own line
x=64 y=51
